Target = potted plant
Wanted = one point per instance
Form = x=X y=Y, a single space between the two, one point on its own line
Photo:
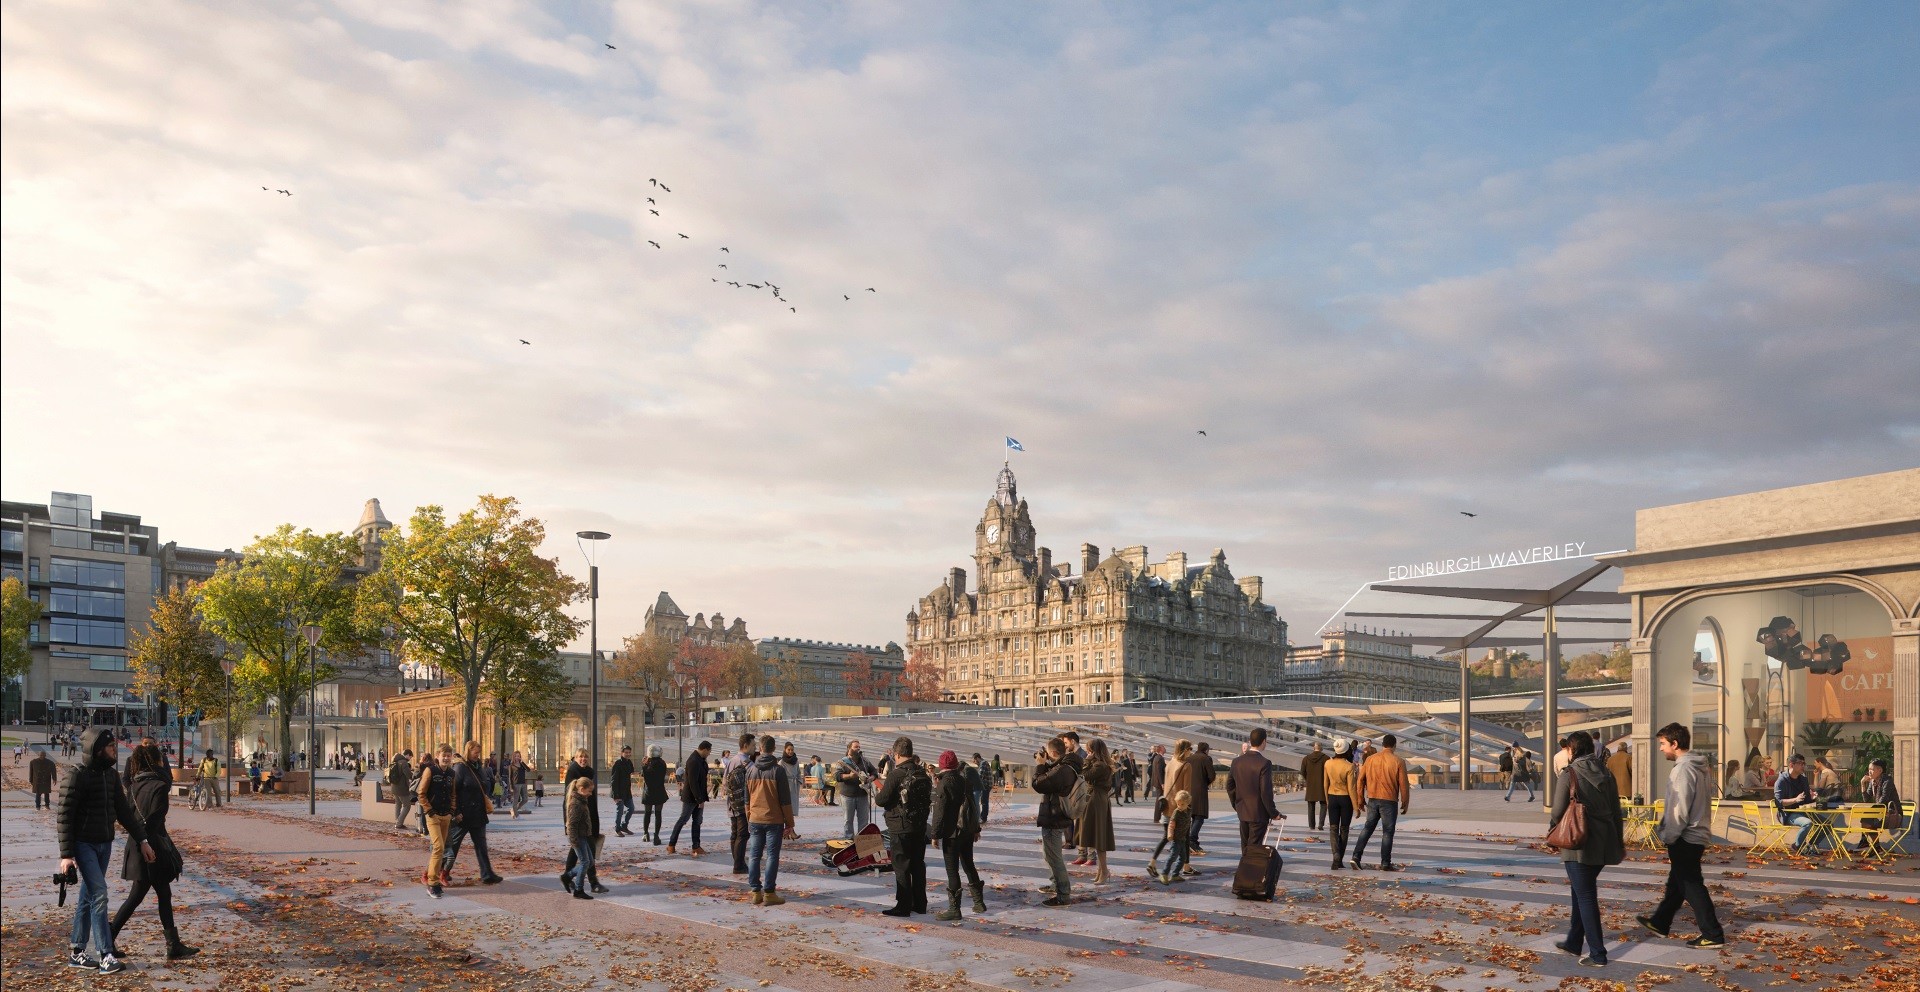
x=1856 y=714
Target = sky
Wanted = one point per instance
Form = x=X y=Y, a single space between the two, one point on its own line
x=1545 y=263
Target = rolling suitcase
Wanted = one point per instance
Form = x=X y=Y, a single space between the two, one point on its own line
x=1258 y=875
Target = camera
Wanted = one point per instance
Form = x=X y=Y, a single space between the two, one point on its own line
x=65 y=878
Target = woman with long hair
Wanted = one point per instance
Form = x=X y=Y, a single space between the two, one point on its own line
x=1096 y=826
x=578 y=817
x=151 y=796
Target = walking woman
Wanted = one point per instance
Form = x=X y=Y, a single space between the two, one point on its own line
x=1338 y=772
x=1604 y=845
x=150 y=798
x=955 y=824
x=579 y=818
x=653 y=794
x=1096 y=825
x=1203 y=775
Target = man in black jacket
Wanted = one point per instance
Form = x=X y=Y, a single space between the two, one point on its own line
x=91 y=801
x=40 y=774
x=1054 y=775
x=472 y=799
x=582 y=767
x=622 y=788
x=907 y=796
x=400 y=781
x=1156 y=777
x=733 y=782
x=693 y=798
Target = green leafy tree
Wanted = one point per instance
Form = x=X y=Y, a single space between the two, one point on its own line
x=19 y=613
x=177 y=659
x=471 y=594
x=527 y=691
x=258 y=604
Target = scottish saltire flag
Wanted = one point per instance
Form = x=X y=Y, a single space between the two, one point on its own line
x=1013 y=445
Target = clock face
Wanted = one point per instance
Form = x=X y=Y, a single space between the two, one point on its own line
x=993 y=532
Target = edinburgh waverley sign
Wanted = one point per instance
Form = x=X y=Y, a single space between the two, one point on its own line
x=1492 y=559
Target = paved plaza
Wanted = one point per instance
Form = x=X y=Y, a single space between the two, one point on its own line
x=335 y=903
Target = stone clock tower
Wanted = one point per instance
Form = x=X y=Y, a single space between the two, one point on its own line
x=1003 y=553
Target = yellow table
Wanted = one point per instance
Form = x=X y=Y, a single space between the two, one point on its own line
x=1829 y=822
x=1639 y=824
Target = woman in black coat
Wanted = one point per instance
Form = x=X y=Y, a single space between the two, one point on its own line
x=1605 y=844
x=151 y=797
x=653 y=793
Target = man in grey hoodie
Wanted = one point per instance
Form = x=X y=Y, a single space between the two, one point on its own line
x=1684 y=830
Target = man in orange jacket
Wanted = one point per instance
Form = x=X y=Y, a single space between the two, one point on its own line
x=1383 y=783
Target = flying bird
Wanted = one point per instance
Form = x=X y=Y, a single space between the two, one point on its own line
x=656 y=213
x=756 y=285
x=792 y=310
x=263 y=189
x=610 y=45
x=723 y=265
x=284 y=192
x=845 y=296
x=653 y=182
x=664 y=189
x=713 y=280
x=869 y=289
x=656 y=244
x=1201 y=433
x=684 y=236
x=728 y=252
x=525 y=341
x=650 y=200
x=1466 y=514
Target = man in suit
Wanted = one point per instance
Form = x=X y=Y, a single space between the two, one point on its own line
x=1250 y=790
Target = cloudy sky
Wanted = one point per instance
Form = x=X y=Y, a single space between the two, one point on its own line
x=1549 y=264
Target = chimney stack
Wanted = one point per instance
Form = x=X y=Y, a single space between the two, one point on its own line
x=957 y=581
x=1089 y=558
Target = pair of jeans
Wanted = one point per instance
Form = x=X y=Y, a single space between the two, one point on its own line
x=958 y=855
x=622 y=814
x=1053 y=842
x=437 y=829
x=1801 y=820
x=90 y=906
x=910 y=872
x=1339 y=822
x=859 y=808
x=1193 y=836
x=1378 y=810
x=981 y=802
x=1584 y=881
x=650 y=816
x=1684 y=884
x=580 y=873
x=400 y=808
x=459 y=833
x=737 y=835
x=763 y=852
x=1516 y=780
x=688 y=812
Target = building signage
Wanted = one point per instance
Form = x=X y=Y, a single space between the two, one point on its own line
x=1865 y=686
x=1501 y=558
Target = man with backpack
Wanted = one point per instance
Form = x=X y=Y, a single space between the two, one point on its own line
x=733 y=782
x=907 y=796
x=1056 y=777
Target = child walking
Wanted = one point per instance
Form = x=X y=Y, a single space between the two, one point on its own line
x=1179 y=831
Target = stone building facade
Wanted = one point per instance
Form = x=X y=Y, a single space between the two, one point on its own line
x=665 y=619
x=1351 y=664
x=823 y=664
x=1036 y=634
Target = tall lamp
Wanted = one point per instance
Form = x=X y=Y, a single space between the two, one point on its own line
x=590 y=542
x=313 y=694
x=226 y=665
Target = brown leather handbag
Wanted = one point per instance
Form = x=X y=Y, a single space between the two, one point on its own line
x=1571 y=831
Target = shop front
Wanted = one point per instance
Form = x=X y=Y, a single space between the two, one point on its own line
x=1799 y=610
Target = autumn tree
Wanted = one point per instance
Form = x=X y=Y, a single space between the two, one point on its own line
x=259 y=602
x=645 y=663
x=18 y=612
x=739 y=671
x=473 y=597
x=527 y=690
x=177 y=659
x=864 y=681
x=920 y=680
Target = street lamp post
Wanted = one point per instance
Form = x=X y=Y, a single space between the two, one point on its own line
x=226 y=665
x=313 y=695
x=592 y=539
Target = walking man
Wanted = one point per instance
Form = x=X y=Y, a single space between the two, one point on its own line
x=1684 y=830
x=91 y=801
x=40 y=772
x=1522 y=773
x=1250 y=789
x=1156 y=777
x=733 y=779
x=907 y=796
x=400 y=782
x=1383 y=783
x=771 y=803
x=1313 y=770
x=854 y=774
x=693 y=798
x=435 y=790
x=622 y=786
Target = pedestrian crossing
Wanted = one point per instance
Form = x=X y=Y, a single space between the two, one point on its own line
x=1469 y=913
